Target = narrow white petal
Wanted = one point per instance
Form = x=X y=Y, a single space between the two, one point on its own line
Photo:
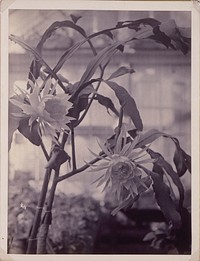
x=146 y=161
x=96 y=155
x=104 y=149
x=132 y=146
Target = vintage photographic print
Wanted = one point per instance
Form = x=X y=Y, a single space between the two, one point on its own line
x=99 y=132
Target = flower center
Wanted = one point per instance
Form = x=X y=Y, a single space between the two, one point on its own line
x=122 y=170
x=55 y=108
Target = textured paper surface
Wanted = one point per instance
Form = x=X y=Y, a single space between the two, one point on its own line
x=100 y=5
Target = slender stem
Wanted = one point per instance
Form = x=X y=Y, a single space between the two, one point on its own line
x=45 y=151
x=121 y=113
x=91 y=100
x=76 y=171
x=69 y=52
x=73 y=149
x=37 y=218
x=64 y=139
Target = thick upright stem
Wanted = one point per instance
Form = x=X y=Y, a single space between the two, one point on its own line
x=44 y=228
x=37 y=218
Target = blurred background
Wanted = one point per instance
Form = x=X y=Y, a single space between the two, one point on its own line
x=161 y=87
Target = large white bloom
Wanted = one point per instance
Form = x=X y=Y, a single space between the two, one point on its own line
x=121 y=170
x=44 y=107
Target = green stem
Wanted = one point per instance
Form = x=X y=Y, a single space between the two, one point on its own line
x=37 y=218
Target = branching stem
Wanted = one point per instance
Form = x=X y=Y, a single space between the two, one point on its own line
x=81 y=169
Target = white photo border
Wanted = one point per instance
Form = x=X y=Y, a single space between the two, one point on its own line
x=101 y=5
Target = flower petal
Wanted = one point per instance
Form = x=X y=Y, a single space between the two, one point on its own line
x=96 y=155
x=124 y=204
x=119 y=142
x=132 y=146
x=34 y=98
x=16 y=102
x=29 y=110
x=98 y=179
x=146 y=161
x=104 y=149
x=125 y=148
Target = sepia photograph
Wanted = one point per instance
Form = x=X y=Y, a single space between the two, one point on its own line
x=99 y=132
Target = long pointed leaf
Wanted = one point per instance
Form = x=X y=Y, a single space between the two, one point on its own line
x=181 y=159
x=163 y=198
x=107 y=102
x=30 y=133
x=124 y=204
x=128 y=103
x=121 y=71
x=97 y=60
x=37 y=56
x=148 y=137
x=168 y=168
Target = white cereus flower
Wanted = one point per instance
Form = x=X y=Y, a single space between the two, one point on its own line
x=122 y=174
x=43 y=106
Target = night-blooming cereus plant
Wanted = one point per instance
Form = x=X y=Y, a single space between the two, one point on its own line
x=53 y=106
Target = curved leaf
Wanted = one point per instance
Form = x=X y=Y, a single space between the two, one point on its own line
x=58 y=157
x=179 y=161
x=170 y=35
x=30 y=133
x=80 y=101
x=56 y=25
x=148 y=137
x=182 y=160
x=68 y=53
x=75 y=18
x=121 y=71
x=168 y=27
x=126 y=203
x=36 y=54
x=36 y=65
x=161 y=37
x=107 y=102
x=13 y=122
x=128 y=103
x=106 y=53
x=160 y=161
x=136 y=25
x=164 y=200
x=187 y=159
